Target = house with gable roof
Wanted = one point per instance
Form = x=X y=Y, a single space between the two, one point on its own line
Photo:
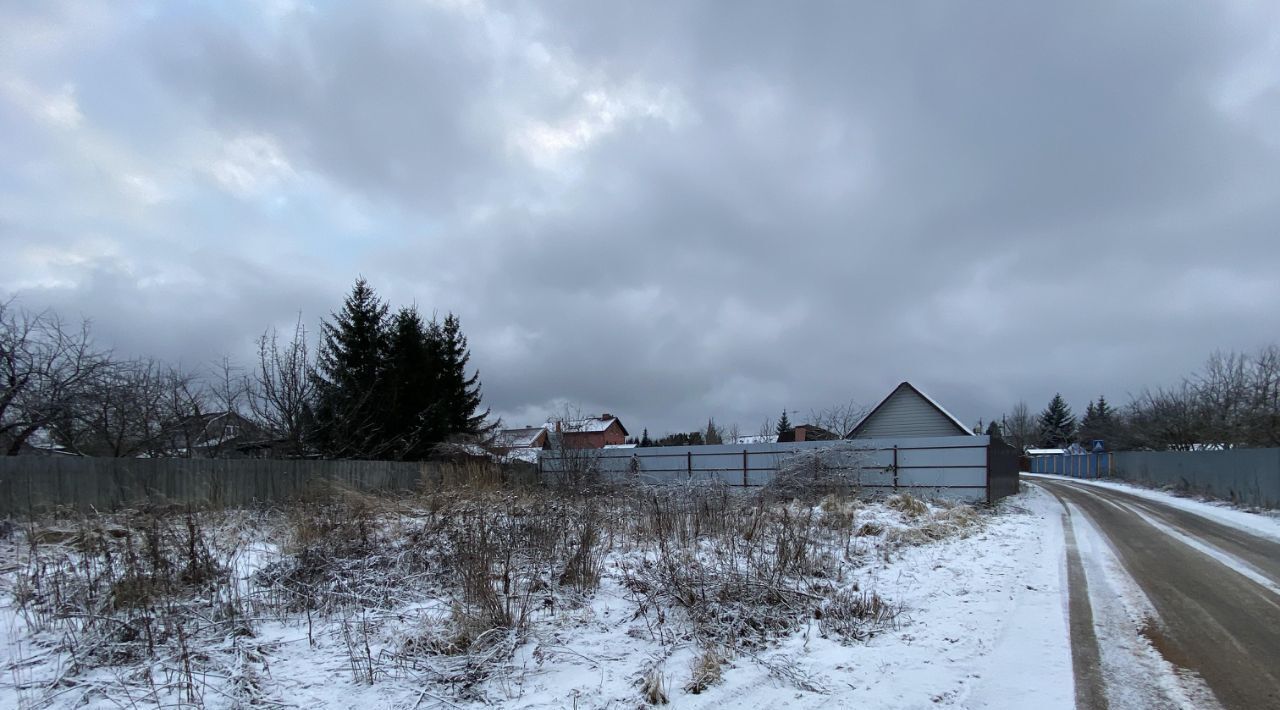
x=907 y=413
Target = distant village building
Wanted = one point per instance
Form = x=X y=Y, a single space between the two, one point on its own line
x=806 y=432
x=755 y=439
x=587 y=433
x=526 y=443
x=907 y=413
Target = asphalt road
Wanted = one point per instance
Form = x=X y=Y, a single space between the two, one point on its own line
x=1212 y=619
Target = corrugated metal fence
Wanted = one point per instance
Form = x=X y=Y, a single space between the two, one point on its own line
x=34 y=483
x=1098 y=465
x=954 y=466
x=1249 y=476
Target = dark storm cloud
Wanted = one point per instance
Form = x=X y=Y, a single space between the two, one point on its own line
x=679 y=210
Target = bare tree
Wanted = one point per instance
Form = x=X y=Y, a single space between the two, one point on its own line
x=179 y=417
x=1019 y=427
x=1264 y=422
x=124 y=412
x=839 y=419
x=283 y=388
x=1221 y=391
x=44 y=370
x=1166 y=418
x=564 y=464
x=733 y=435
x=767 y=429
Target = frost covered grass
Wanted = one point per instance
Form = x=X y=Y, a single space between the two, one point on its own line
x=459 y=596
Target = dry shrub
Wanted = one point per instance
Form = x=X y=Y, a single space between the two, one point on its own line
x=856 y=616
x=684 y=514
x=653 y=687
x=839 y=511
x=706 y=671
x=869 y=529
x=907 y=504
x=958 y=520
x=341 y=553
x=470 y=474
x=147 y=585
x=809 y=474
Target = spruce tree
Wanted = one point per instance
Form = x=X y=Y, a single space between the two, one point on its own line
x=459 y=395
x=993 y=430
x=713 y=435
x=411 y=380
x=1057 y=424
x=784 y=424
x=645 y=440
x=1099 y=422
x=348 y=377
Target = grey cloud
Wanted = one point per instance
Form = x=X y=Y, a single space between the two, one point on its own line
x=997 y=202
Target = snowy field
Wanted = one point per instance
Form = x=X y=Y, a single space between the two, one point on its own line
x=688 y=597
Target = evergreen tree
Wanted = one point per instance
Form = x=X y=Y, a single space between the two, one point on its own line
x=411 y=382
x=784 y=424
x=645 y=440
x=993 y=430
x=1057 y=424
x=1100 y=422
x=459 y=395
x=353 y=347
x=713 y=435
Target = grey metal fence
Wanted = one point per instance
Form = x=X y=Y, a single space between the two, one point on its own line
x=35 y=483
x=953 y=466
x=1249 y=476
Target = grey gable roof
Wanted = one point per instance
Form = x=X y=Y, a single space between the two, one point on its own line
x=908 y=412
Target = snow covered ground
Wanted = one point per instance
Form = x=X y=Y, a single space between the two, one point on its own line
x=972 y=614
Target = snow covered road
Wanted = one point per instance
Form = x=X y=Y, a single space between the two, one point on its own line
x=1184 y=602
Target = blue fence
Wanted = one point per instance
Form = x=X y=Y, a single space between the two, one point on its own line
x=1074 y=465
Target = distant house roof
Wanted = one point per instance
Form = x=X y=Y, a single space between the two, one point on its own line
x=525 y=454
x=908 y=412
x=1045 y=452
x=586 y=424
x=519 y=438
x=811 y=432
x=756 y=439
x=619 y=446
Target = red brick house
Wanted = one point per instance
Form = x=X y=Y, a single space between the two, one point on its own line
x=588 y=432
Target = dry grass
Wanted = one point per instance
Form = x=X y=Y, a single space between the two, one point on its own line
x=175 y=596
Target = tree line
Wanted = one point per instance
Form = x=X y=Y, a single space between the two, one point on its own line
x=1232 y=401
x=380 y=385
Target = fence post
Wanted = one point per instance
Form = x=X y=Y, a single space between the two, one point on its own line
x=744 y=468
x=895 y=467
x=689 y=464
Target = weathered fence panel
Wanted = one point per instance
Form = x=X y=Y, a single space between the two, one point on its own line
x=35 y=483
x=1099 y=465
x=1249 y=476
x=955 y=467
x=1003 y=467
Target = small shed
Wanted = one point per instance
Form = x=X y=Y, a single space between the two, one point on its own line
x=908 y=413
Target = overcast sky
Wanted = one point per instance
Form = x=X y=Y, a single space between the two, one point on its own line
x=668 y=211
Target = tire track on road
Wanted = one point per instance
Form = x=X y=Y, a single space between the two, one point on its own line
x=1213 y=620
